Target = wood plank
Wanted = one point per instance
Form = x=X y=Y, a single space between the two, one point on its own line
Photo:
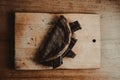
x=50 y=73
x=35 y=26
x=81 y=77
x=110 y=18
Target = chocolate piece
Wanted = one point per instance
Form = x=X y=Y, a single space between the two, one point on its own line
x=47 y=63
x=75 y=26
x=54 y=63
x=57 y=62
x=70 y=54
x=72 y=42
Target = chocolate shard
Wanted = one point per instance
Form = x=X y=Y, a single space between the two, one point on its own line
x=57 y=62
x=75 y=26
x=66 y=52
x=53 y=63
x=70 y=54
x=48 y=63
x=72 y=42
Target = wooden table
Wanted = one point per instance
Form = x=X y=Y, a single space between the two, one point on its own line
x=110 y=28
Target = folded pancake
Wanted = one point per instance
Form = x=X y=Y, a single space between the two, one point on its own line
x=58 y=43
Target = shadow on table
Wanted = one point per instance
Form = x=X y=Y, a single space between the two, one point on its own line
x=11 y=40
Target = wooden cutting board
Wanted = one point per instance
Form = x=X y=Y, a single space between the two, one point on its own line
x=30 y=29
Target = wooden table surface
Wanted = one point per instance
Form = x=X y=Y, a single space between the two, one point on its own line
x=110 y=28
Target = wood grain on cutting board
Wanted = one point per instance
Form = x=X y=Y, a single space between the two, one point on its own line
x=31 y=28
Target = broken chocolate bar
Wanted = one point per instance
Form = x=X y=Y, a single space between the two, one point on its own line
x=75 y=26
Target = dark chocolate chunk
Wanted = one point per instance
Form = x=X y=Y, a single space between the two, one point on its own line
x=72 y=42
x=75 y=26
x=70 y=54
x=57 y=62
x=48 y=63
x=66 y=52
x=53 y=63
